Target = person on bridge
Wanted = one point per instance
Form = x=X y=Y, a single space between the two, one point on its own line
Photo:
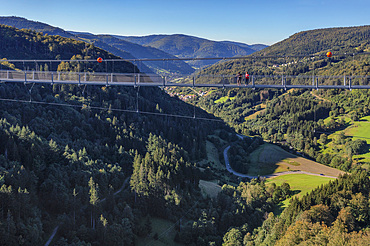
x=246 y=78
x=239 y=79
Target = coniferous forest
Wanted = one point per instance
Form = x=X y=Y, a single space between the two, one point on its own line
x=81 y=160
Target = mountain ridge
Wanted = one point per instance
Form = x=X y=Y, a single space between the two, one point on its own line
x=186 y=46
x=151 y=46
x=120 y=48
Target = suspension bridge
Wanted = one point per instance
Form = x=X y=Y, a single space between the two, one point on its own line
x=30 y=75
x=218 y=81
x=138 y=79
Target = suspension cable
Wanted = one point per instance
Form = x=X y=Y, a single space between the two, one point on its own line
x=112 y=109
x=200 y=58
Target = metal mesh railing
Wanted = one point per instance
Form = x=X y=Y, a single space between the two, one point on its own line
x=142 y=79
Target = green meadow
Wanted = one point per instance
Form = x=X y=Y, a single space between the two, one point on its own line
x=224 y=99
x=300 y=184
x=361 y=130
x=357 y=130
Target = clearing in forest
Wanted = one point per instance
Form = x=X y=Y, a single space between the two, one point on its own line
x=212 y=156
x=300 y=184
x=162 y=228
x=209 y=188
x=360 y=130
x=269 y=159
x=254 y=115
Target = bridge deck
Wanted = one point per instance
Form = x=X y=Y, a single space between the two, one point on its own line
x=218 y=81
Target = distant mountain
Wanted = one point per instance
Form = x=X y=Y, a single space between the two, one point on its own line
x=185 y=46
x=118 y=46
x=142 y=40
x=91 y=38
x=255 y=47
x=109 y=43
x=151 y=47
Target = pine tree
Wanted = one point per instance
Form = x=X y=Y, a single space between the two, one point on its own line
x=94 y=199
x=74 y=205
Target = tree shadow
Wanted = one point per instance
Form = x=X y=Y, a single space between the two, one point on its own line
x=279 y=208
x=295 y=192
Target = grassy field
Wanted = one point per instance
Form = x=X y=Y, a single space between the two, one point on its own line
x=301 y=184
x=209 y=188
x=254 y=115
x=361 y=130
x=224 y=99
x=212 y=156
x=269 y=158
x=356 y=130
x=165 y=231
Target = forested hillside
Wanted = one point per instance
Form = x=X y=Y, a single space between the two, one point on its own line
x=301 y=121
x=334 y=214
x=60 y=165
x=118 y=47
x=23 y=23
x=350 y=40
x=298 y=119
x=79 y=160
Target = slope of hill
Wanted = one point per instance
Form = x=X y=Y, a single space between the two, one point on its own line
x=117 y=47
x=295 y=118
x=23 y=23
x=343 y=40
x=30 y=45
x=57 y=159
x=185 y=46
x=347 y=40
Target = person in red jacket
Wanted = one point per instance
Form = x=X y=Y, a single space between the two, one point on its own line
x=246 y=78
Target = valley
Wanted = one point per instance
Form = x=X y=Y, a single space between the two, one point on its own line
x=96 y=164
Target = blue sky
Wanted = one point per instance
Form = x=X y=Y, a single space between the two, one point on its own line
x=251 y=22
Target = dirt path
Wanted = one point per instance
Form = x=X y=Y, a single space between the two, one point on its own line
x=318 y=97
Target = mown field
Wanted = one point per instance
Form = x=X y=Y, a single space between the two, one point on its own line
x=209 y=188
x=224 y=99
x=269 y=158
x=300 y=184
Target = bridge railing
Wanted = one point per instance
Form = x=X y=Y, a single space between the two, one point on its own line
x=142 y=79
